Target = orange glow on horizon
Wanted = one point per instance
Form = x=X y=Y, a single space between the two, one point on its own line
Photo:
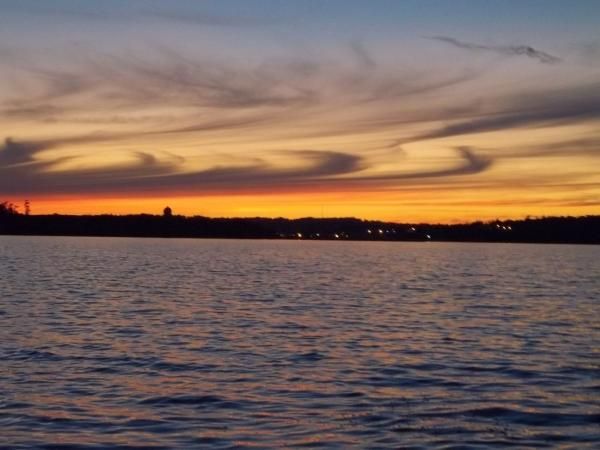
x=368 y=206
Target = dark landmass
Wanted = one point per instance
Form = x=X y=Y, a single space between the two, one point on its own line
x=573 y=230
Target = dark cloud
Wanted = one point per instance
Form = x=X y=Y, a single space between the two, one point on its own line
x=19 y=167
x=471 y=163
x=13 y=153
x=22 y=174
x=588 y=147
x=328 y=163
x=558 y=107
x=508 y=50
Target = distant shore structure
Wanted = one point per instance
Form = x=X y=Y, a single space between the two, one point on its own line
x=567 y=230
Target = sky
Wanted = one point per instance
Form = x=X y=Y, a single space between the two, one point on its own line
x=412 y=111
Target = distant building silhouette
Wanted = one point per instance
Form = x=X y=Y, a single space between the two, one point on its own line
x=581 y=230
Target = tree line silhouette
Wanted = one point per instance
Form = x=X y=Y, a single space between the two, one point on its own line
x=580 y=230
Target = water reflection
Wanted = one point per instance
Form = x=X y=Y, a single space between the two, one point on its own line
x=183 y=343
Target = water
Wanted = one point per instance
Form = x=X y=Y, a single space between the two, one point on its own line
x=149 y=343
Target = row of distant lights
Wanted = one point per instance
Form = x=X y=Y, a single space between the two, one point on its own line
x=336 y=235
x=382 y=232
x=369 y=231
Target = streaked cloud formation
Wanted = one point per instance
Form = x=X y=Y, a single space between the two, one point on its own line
x=253 y=109
x=508 y=50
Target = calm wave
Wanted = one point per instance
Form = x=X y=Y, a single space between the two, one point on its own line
x=149 y=343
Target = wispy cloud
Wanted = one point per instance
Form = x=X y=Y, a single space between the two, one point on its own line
x=167 y=100
x=238 y=96
x=508 y=50
x=584 y=147
x=21 y=172
x=470 y=163
x=362 y=55
x=543 y=108
x=14 y=153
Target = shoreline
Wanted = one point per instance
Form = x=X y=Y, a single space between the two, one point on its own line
x=380 y=241
x=549 y=230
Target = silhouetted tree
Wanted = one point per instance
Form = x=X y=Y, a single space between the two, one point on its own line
x=584 y=229
x=8 y=209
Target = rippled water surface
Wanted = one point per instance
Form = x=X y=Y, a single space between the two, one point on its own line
x=149 y=343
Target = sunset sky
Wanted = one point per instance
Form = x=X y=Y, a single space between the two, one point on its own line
x=439 y=111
